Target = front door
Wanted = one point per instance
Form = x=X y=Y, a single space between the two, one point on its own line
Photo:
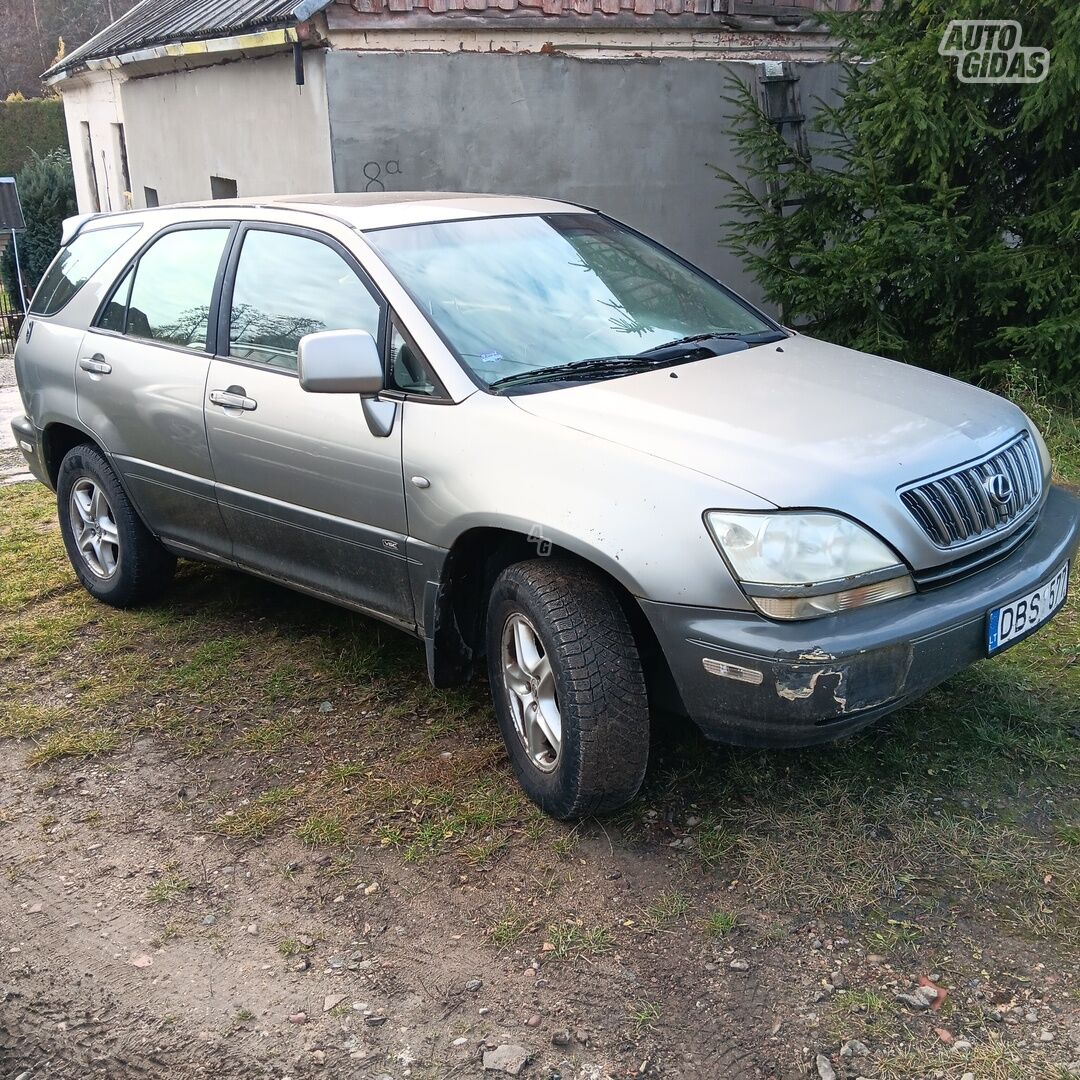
x=309 y=494
x=141 y=378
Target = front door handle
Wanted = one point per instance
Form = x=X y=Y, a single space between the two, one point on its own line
x=96 y=365
x=233 y=398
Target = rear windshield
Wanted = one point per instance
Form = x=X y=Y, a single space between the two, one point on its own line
x=75 y=265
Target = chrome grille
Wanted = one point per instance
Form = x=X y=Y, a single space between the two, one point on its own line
x=956 y=507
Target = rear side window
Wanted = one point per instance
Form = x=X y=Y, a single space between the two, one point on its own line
x=75 y=265
x=166 y=296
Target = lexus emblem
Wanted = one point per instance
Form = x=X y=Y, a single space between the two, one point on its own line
x=999 y=488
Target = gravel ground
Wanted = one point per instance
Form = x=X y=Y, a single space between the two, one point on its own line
x=12 y=465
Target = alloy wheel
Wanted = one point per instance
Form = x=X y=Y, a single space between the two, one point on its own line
x=530 y=687
x=94 y=528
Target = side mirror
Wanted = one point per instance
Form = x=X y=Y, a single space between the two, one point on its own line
x=340 y=362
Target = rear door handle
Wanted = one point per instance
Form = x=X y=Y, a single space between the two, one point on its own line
x=96 y=365
x=233 y=399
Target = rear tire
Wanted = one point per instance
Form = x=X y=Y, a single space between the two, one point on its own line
x=112 y=552
x=568 y=687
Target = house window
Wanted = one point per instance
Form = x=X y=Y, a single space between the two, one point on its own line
x=221 y=187
x=125 y=172
x=91 y=172
x=150 y=196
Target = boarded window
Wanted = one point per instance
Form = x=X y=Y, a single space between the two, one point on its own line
x=221 y=187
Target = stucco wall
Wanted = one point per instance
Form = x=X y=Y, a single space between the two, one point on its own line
x=94 y=99
x=633 y=137
x=247 y=121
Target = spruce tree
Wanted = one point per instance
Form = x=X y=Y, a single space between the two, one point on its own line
x=942 y=226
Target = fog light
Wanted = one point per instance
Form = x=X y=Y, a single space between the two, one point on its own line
x=732 y=671
x=813 y=607
x=27 y=446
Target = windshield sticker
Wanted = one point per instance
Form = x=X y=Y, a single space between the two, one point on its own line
x=492 y=357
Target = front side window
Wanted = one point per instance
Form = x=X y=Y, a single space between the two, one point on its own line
x=173 y=289
x=288 y=286
x=517 y=296
x=76 y=264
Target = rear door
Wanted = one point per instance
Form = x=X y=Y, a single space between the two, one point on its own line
x=309 y=493
x=141 y=377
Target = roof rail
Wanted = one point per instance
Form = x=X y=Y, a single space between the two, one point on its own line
x=72 y=225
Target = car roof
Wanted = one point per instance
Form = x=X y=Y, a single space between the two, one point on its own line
x=377 y=209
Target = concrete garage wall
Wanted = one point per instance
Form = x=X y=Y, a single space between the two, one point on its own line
x=246 y=121
x=631 y=137
x=93 y=115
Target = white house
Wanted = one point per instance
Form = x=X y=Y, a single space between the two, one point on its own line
x=617 y=104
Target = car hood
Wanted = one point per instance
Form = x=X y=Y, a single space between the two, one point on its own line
x=802 y=423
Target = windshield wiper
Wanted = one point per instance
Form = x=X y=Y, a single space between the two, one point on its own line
x=671 y=352
x=756 y=337
x=597 y=365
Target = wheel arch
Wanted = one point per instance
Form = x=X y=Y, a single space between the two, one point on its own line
x=455 y=606
x=57 y=440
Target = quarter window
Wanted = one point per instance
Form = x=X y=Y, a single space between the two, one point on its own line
x=288 y=286
x=408 y=370
x=173 y=289
x=75 y=265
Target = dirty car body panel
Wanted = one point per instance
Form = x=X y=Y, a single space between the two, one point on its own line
x=647 y=475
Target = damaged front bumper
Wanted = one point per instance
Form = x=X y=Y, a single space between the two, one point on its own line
x=752 y=681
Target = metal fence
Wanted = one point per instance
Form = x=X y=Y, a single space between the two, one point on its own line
x=11 y=317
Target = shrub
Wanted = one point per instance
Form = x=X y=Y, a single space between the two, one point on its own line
x=27 y=127
x=47 y=191
x=943 y=227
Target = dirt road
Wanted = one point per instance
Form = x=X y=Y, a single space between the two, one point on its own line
x=241 y=837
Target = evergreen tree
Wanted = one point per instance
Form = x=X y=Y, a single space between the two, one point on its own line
x=942 y=226
x=47 y=192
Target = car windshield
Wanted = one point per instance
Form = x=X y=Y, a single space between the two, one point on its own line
x=517 y=298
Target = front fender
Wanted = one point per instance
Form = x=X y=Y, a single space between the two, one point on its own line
x=635 y=516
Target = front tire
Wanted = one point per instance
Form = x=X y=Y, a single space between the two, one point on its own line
x=568 y=687
x=114 y=555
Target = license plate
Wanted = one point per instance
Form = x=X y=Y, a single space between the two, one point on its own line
x=1010 y=622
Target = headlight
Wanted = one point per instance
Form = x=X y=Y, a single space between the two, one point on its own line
x=795 y=565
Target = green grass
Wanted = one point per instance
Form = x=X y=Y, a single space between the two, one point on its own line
x=290 y=947
x=644 y=1014
x=210 y=663
x=972 y=792
x=272 y=736
x=508 y=929
x=721 y=923
x=167 y=890
x=574 y=939
x=254 y=821
x=991 y=1058
x=19 y=720
x=75 y=742
x=667 y=908
x=862 y=1001
x=33 y=563
x=323 y=830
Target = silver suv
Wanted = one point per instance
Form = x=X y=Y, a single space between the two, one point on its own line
x=535 y=438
